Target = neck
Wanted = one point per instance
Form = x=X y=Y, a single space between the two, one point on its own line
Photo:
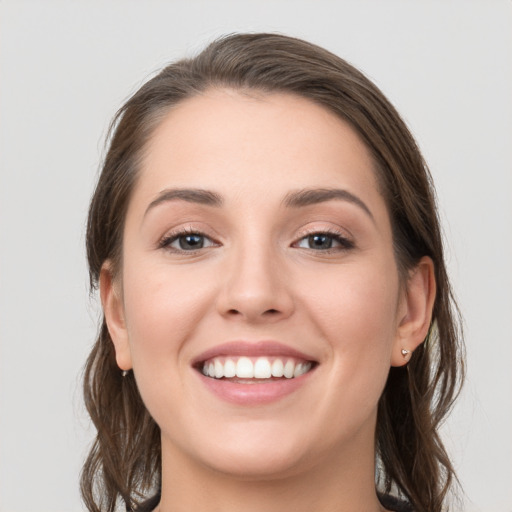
x=343 y=482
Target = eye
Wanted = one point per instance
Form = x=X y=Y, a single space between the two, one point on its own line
x=324 y=242
x=186 y=241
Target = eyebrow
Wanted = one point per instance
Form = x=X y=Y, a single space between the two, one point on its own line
x=307 y=197
x=295 y=199
x=191 y=195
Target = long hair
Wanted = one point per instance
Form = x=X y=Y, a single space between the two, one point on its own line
x=124 y=462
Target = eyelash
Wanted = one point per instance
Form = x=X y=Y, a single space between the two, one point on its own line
x=345 y=244
x=169 y=239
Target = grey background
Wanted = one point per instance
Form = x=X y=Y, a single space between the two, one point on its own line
x=65 y=67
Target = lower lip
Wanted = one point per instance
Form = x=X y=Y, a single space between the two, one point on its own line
x=254 y=393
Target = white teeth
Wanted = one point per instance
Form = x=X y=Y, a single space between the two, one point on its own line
x=289 y=369
x=244 y=368
x=301 y=369
x=219 y=369
x=229 y=368
x=261 y=368
x=277 y=368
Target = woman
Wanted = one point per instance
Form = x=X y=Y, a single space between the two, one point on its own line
x=279 y=331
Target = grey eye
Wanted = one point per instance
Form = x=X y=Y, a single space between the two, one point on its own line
x=190 y=242
x=186 y=242
x=319 y=241
x=324 y=242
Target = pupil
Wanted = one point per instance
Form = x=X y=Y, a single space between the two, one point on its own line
x=191 y=242
x=320 y=241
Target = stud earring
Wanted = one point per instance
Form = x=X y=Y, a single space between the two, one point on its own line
x=405 y=353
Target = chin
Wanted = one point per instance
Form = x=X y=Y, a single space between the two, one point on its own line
x=257 y=466
x=253 y=452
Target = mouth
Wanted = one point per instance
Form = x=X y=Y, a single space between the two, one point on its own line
x=244 y=369
x=252 y=373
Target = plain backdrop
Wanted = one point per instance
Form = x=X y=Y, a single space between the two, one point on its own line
x=65 y=69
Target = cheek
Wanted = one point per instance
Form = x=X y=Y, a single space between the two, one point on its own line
x=163 y=306
x=355 y=303
x=357 y=314
x=357 y=318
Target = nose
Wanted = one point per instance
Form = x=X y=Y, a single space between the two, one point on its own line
x=255 y=286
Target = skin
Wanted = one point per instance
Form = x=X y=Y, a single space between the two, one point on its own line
x=258 y=278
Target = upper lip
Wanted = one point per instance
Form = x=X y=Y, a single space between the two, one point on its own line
x=251 y=349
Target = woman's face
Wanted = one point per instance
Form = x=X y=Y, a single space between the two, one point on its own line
x=257 y=240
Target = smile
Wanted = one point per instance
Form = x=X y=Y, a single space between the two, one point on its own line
x=254 y=373
x=255 y=368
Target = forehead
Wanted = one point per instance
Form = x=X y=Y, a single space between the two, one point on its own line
x=254 y=143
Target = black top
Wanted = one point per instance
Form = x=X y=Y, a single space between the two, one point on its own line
x=149 y=505
x=390 y=502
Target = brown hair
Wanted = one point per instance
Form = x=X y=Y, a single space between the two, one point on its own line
x=124 y=461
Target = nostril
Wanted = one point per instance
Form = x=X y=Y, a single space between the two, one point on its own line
x=268 y=312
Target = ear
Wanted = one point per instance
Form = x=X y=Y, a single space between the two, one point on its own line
x=113 y=309
x=415 y=311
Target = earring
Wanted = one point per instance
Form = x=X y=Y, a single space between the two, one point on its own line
x=405 y=353
x=124 y=373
